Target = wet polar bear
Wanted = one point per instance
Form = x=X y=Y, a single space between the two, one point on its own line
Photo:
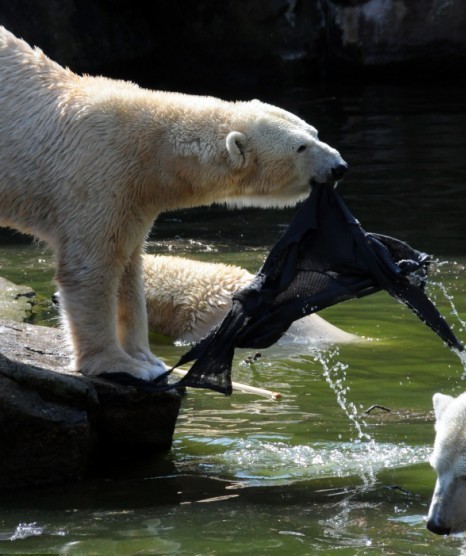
x=186 y=298
x=447 y=512
x=87 y=164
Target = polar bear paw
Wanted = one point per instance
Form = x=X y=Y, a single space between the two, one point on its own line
x=143 y=369
x=157 y=366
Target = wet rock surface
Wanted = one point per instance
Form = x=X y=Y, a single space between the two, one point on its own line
x=182 y=44
x=56 y=424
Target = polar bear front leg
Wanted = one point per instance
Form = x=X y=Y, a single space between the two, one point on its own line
x=132 y=327
x=88 y=301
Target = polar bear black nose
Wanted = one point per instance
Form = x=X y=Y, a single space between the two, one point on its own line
x=339 y=171
x=437 y=528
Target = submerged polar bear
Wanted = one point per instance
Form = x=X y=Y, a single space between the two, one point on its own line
x=87 y=164
x=447 y=513
x=186 y=299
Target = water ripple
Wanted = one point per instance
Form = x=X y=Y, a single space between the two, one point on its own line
x=256 y=461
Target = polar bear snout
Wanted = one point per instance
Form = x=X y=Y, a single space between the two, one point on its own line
x=326 y=163
x=339 y=171
x=437 y=527
x=447 y=511
x=331 y=173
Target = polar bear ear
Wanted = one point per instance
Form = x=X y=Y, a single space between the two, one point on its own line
x=441 y=402
x=236 y=147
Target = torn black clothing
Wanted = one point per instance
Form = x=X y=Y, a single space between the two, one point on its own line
x=323 y=258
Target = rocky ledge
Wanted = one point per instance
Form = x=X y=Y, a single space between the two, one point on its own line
x=56 y=425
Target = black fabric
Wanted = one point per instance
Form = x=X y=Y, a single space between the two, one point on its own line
x=323 y=258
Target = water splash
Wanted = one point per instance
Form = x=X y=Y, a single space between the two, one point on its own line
x=454 y=311
x=450 y=299
x=26 y=530
x=335 y=374
x=255 y=461
x=462 y=358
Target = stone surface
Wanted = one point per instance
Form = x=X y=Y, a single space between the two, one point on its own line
x=389 y=32
x=15 y=301
x=41 y=441
x=186 y=45
x=56 y=424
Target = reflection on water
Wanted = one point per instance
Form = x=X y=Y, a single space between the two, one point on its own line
x=311 y=473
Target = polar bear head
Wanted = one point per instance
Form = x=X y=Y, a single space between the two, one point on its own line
x=447 y=513
x=282 y=157
x=244 y=153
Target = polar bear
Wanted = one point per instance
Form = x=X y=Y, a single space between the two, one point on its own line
x=447 y=512
x=87 y=164
x=187 y=298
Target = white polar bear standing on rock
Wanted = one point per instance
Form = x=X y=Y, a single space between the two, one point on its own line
x=87 y=164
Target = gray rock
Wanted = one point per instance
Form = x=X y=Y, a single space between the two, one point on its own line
x=56 y=424
x=16 y=302
x=382 y=32
x=41 y=441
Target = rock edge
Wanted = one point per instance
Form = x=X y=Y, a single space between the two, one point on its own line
x=56 y=425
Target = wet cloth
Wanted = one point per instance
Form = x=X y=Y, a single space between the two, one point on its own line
x=323 y=258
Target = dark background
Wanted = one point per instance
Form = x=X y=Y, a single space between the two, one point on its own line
x=233 y=46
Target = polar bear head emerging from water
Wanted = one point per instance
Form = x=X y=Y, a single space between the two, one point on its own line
x=447 y=513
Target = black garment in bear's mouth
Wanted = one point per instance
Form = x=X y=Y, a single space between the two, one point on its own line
x=324 y=257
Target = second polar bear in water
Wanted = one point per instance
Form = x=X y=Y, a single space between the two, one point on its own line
x=187 y=298
x=87 y=164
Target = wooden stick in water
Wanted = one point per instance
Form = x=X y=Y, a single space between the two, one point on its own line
x=243 y=387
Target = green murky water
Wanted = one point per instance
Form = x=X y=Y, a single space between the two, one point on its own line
x=311 y=473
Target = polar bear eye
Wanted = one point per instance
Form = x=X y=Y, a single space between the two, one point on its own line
x=301 y=148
